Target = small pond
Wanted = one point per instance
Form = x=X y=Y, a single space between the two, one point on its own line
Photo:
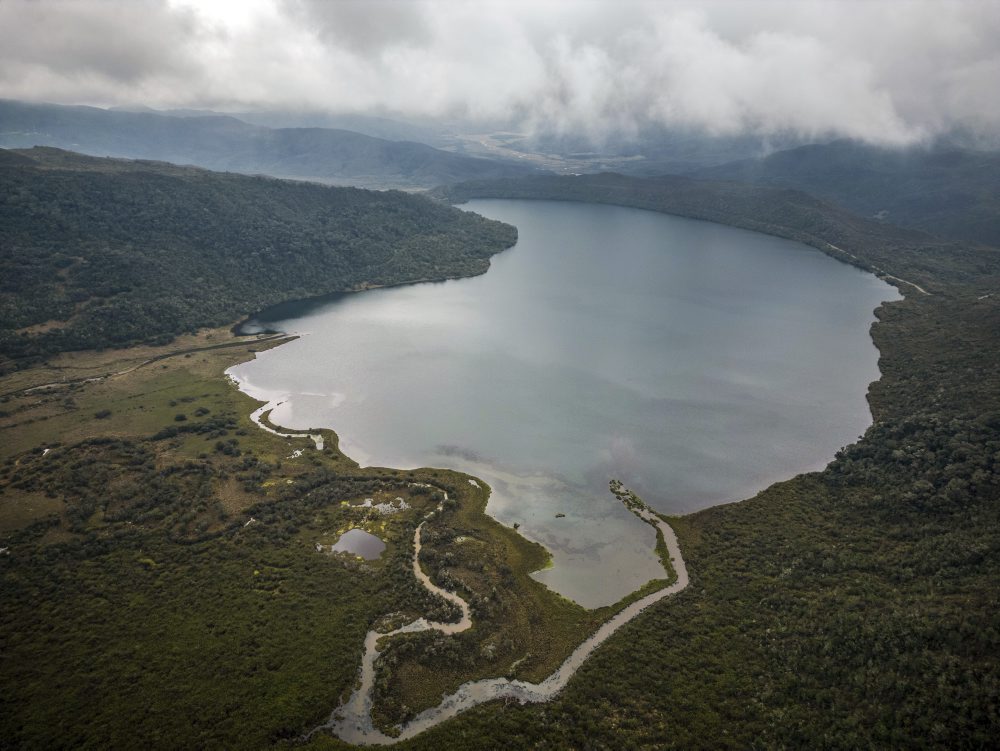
x=359 y=542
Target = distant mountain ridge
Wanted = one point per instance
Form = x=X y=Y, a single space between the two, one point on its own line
x=947 y=191
x=225 y=143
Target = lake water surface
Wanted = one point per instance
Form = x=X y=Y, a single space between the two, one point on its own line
x=695 y=362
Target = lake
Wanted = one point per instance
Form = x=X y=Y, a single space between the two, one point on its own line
x=697 y=363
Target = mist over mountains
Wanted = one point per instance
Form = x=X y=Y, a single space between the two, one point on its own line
x=945 y=188
x=880 y=71
x=225 y=143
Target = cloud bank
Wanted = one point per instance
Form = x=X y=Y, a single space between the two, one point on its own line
x=891 y=72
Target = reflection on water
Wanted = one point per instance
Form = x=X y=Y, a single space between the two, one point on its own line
x=359 y=542
x=696 y=363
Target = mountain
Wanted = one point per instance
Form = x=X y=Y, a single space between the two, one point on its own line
x=948 y=191
x=371 y=125
x=107 y=252
x=221 y=142
x=391 y=129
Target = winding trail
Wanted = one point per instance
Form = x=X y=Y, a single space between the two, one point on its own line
x=148 y=361
x=878 y=272
x=352 y=721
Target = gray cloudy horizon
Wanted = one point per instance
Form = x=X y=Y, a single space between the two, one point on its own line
x=896 y=72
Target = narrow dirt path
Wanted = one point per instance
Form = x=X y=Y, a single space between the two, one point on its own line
x=878 y=272
x=158 y=358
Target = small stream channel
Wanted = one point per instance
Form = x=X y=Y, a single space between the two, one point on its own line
x=352 y=721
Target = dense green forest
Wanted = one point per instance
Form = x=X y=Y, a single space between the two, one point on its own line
x=106 y=253
x=947 y=190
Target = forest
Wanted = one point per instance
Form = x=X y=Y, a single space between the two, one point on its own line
x=948 y=190
x=108 y=253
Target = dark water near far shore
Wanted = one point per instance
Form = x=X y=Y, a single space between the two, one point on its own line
x=695 y=362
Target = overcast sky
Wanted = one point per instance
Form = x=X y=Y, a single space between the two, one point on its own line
x=889 y=72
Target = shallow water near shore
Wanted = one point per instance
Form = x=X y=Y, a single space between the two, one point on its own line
x=695 y=362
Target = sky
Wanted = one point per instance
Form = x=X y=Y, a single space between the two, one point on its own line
x=891 y=72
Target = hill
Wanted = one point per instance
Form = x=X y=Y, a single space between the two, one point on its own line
x=221 y=142
x=947 y=191
x=106 y=252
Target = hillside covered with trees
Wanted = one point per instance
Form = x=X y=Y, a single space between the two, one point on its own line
x=106 y=253
x=947 y=190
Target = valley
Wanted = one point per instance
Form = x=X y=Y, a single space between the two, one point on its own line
x=236 y=513
x=552 y=376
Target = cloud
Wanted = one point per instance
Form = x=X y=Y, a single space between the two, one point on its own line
x=66 y=49
x=365 y=26
x=886 y=71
